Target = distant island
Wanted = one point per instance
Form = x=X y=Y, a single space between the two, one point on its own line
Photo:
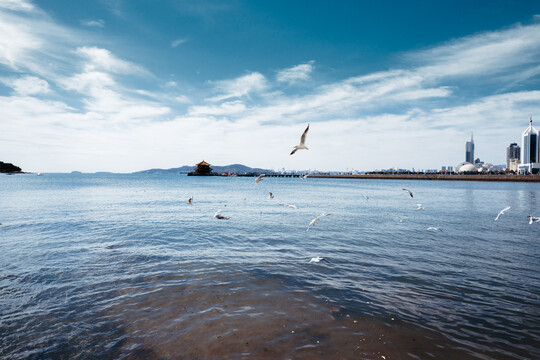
x=9 y=168
x=232 y=169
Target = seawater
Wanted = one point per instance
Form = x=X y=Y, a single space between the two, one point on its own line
x=119 y=266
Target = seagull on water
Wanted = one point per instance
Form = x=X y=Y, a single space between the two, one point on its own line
x=190 y=201
x=312 y=223
x=318 y=259
x=217 y=215
x=302 y=145
x=533 y=219
x=260 y=178
x=431 y=228
x=502 y=212
x=420 y=207
x=271 y=196
x=409 y=191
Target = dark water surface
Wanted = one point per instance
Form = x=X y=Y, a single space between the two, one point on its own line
x=120 y=267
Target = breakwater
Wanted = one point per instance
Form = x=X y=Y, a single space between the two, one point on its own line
x=446 y=177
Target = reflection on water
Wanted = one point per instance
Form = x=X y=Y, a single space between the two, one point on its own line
x=119 y=267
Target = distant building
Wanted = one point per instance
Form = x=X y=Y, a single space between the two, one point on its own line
x=530 y=151
x=512 y=155
x=469 y=151
x=203 y=169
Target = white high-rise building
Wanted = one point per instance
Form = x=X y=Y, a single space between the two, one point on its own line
x=530 y=151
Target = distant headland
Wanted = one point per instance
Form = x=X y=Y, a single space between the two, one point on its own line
x=9 y=168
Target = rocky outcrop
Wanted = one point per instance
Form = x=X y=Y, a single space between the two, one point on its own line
x=9 y=168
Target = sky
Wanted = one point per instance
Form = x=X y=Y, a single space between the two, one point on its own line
x=124 y=86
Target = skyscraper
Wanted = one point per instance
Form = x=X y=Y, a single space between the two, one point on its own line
x=530 y=149
x=512 y=153
x=469 y=151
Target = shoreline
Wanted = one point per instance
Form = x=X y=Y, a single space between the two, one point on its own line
x=443 y=177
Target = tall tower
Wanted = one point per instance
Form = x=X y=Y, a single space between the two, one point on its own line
x=530 y=149
x=469 y=150
x=512 y=153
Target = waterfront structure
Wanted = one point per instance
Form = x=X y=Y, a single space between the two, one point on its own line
x=469 y=150
x=465 y=166
x=203 y=169
x=512 y=155
x=530 y=151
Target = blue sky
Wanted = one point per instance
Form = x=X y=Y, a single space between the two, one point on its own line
x=131 y=85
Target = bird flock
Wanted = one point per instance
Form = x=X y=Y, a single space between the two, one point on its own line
x=318 y=259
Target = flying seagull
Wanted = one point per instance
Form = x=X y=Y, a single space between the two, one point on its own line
x=533 y=219
x=409 y=191
x=302 y=145
x=303 y=177
x=190 y=201
x=271 y=196
x=312 y=223
x=288 y=205
x=260 y=178
x=367 y=197
x=420 y=207
x=502 y=212
x=217 y=215
x=318 y=259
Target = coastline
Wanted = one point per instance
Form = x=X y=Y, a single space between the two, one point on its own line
x=444 y=177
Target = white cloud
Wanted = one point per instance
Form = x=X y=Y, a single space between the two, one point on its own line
x=242 y=86
x=103 y=59
x=177 y=42
x=27 y=85
x=296 y=73
x=17 y=5
x=94 y=23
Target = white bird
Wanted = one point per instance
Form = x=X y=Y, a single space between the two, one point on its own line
x=288 y=205
x=502 y=212
x=304 y=176
x=190 y=201
x=409 y=191
x=217 y=215
x=302 y=145
x=431 y=228
x=271 y=196
x=420 y=207
x=367 y=197
x=533 y=219
x=312 y=223
x=318 y=259
x=260 y=178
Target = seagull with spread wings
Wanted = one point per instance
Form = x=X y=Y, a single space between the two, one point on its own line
x=302 y=145
x=502 y=212
x=409 y=191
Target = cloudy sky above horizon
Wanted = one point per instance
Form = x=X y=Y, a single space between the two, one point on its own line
x=131 y=85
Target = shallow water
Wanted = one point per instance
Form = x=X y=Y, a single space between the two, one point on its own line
x=121 y=267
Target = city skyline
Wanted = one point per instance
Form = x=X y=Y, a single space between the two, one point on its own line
x=128 y=86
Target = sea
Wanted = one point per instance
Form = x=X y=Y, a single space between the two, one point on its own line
x=120 y=266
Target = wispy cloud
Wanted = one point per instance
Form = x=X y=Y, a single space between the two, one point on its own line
x=241 y=86
x=27 y=85
x=296 y=73
x=94 y=23
x=177 y=42
x=17 y=5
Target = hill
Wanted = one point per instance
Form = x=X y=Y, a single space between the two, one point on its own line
x=9 y=168
x=233 y=168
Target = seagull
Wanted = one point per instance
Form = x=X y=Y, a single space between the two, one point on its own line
x=502 y=212
x=419 y=207
x=304 y=176
x=217 y=215
x=260 y=178
x=190 y=201
x=533 y=219
x=409 y=191
x=318 y=259
x=302 y=145
x=271 y=196
x=367 y=197
x=288 y=205
x=434 y=228
x=312 y=223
